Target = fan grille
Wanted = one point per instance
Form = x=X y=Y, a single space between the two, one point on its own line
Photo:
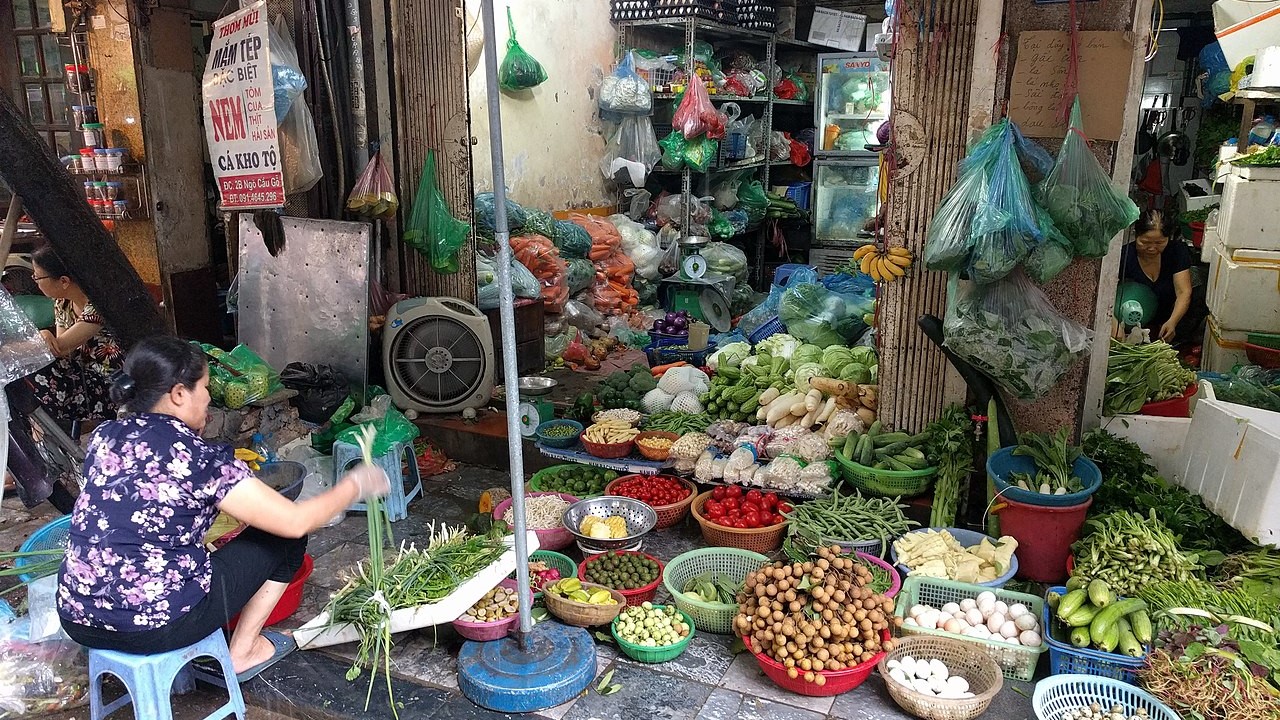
x=438 y=361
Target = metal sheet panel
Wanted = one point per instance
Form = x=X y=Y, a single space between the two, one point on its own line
x=311 y=303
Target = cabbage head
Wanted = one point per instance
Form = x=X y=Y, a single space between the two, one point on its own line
x=804 y=372
x=779 y=345
x=835 y=358
x=730 y=355
x=806 y=353
x=856 y=372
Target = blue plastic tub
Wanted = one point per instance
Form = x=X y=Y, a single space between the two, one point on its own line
x=567 y=441
x=662 y=352
x=1004 y=463
x=967 y=538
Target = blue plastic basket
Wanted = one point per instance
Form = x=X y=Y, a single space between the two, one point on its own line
x=1066 y=659
x=567 y=441
x=1002 y=464
x=1056 y=695
x=50 y=536
x=661 y=352
x=967 y=538
x=771 y=327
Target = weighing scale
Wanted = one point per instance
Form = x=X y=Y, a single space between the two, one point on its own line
x=535 y=667
x=694 y=289
x=535 y=408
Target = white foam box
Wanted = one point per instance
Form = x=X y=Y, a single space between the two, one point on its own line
x=1250 y=213
x=1223 y=348
x=1245 y=26
x=1243 y=289
x=1159 y=437
x=837 y=29
x=1188 y=202
x=1210 y=242
x=1231 y=458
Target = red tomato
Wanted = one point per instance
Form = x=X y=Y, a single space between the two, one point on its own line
x=733 y=491
x=712 y=508
x=777 y=520
x=784 y=507
x=752 y=506
x=740 y=524
x=751 y=518
x=755 y=497
x=730 y=504
x=720 y=493
x=771 y=500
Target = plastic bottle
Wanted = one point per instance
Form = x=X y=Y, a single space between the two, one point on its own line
x=260 y=446
x=1263 y=129
x=829 y=136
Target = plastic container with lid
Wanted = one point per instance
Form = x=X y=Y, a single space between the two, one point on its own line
x=121 y=208
x=116 y=157
x=77 y=78
x=90 y=193
x=87 y=161
x=93 y=134
x=113 y=191
x=100 y=190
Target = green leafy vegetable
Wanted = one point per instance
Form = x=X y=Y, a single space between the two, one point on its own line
x=1054 y=458
x=951 y=445
x=1138 y=374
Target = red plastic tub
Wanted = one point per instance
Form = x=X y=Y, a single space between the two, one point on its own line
x=1197 y=233
x=635 y=597
x=1044 y=534
x=838 y=681
x=1179 y=407
x=288 y=603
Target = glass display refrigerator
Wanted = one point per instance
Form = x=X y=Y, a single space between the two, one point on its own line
x=852 y=104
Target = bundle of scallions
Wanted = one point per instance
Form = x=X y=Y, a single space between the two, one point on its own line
x=39 y=563
x=412 y=576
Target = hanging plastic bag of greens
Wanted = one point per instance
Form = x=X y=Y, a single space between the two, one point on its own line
x=751 y=197
x=673 y=147
x=1052 y=255
x=519 y=71
x=1004 y=227
x=1010 y=330
x=1080 y=197
x=431 y=229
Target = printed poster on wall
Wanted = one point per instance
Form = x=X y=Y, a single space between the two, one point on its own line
x=239 y=112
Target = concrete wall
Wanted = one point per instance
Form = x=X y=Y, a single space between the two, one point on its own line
x=552 y=137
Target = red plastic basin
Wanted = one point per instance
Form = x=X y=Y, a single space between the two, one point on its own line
x=288 y=603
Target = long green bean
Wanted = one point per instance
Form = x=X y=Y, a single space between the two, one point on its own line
x=850 y=518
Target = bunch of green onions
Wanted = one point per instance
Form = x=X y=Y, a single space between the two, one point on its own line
x=40 y=563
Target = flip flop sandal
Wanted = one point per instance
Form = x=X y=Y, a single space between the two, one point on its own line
x=211 y=671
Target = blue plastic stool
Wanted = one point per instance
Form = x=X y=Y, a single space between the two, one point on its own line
x=148 y=679
x=345 y=455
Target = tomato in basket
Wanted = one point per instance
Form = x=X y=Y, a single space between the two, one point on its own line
x=655 y=491
x=730 y=507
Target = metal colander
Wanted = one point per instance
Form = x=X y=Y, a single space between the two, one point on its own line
x=640 y=519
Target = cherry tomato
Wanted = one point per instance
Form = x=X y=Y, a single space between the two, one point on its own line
x=733 y=491
x=771 y=500
x=720 y=493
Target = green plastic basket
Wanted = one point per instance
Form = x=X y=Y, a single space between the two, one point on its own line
x=639 y=653
x=1018 y=662
x=886 y=483
x=735 y=563
x=535 y=482
x=567 y=567
x=1266 y=340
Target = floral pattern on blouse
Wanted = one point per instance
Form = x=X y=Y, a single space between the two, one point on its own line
x=135 y=558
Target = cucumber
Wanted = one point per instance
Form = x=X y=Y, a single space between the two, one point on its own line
x=1080 y=637
x=1082 y=617
x=1100 y=593
x=884 y=439
x=911 y=461
x=914 y=452
x=1129 y=644
x=865 y=454
x=1075 y=582
x=836 y=443
x=898 y=465
x=875 y=428
x=850 y=445
x=1071 y=602
x=892 y=449
x=1142 y=629
x=1109 y=640
x=1104 y=625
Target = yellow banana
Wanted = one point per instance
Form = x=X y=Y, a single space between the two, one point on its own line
x=865 y=265
x=877 y=270
x=863 y=251
x=893 y=270
x=899 y=260
x=900 y=252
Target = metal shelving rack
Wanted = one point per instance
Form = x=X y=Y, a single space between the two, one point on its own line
x=694 y=28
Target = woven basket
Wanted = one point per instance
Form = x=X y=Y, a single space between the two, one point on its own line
x=610 y=451
x=668 y=515
x=983 y=674
x=635 y=596
x=761 y=540
x=886 y=483
x=655 y=453
x=580 y=614
x=731 y=562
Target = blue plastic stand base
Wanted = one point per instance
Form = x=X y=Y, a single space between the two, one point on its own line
x=558 y=665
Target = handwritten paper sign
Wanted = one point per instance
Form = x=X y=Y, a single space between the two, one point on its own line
x=1040 y=73
x=239 y=112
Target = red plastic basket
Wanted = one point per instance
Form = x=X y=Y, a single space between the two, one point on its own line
x=1268 y=358
x=610 y=451
x=288 y=603
x=548 y=538
x=668 y=515
x=1179 y=407
x=486 y=631
x=838 y=681
x=634 y=597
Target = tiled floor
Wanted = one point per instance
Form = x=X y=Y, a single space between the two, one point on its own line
x=707 y=682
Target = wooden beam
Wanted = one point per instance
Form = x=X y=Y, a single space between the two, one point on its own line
x=57 y=205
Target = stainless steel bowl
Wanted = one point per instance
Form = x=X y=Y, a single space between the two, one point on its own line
x=640 y=519
x=535 y=386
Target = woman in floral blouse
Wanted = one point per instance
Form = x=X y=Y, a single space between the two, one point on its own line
x=137 y=577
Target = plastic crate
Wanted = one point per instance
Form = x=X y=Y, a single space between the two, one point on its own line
x=51 y=536
x=771 y=327
x=1056 y=695
x=1017 y=662
x=663 y=352
x=1266 y=340
x=731 y=562
x=1065 y=658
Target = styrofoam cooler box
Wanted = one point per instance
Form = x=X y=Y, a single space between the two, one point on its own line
x=1206 y=197
x=1210 y=242
x=1231 y=458
x=1223 y=348
x=1243 y=289
x=1250 y=213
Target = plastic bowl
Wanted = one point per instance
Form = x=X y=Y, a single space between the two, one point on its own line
x=485 y=631
x=548 y=538
x=634 y=596
x=662 y=654
x=895 y=584
x=967 y=538
x=567 y=441
x=1003 y=463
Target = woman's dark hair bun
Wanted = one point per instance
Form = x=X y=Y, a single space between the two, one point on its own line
x=154 y=367
x=123 y=387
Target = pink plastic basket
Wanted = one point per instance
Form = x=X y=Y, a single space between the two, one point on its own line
x=483 y=632
x=550 y=538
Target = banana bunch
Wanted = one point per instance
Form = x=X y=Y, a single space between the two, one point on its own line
x=884 y=266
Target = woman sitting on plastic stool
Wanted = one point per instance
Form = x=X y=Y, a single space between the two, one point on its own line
x=136 y=577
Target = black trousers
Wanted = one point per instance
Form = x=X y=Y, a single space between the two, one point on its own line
x=239 y=569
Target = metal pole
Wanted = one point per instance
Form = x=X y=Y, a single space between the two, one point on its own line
x=506 y=312
x=359 y=115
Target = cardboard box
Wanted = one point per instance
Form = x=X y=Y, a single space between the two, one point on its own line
x=837 y=29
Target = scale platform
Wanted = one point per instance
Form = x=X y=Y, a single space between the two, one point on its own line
x=705 y=299
x=556 y=665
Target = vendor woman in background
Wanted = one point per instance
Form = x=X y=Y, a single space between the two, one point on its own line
x=136 y=577
x=1155 y=260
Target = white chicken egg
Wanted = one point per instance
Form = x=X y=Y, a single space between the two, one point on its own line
x=939 y=669
x=1025 y=621
x=974 y=617
x=968 y=604
x=1009 y=629
x=937 y=684
x=1030 y=638
x=1017 y=610
x=959 y=615
x=898 y=675
x=957 y=684
x=921 y=686
x=923 y=671
x=986 y=596
x=981 y=631
x=910 y=622
x=994 y=622
x=952 y=626
x=929 y=620
x=951 y=608
x=892 y=664
x=1002 y=608
x=917 y=610
x=908 y=664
